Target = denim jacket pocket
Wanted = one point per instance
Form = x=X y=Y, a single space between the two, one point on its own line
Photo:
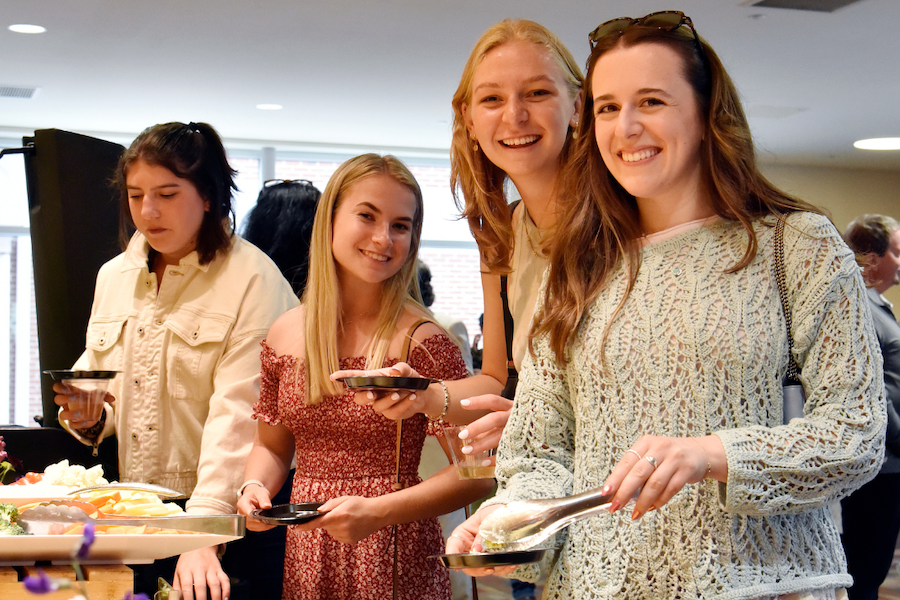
x=197 y=344
x=103 y=339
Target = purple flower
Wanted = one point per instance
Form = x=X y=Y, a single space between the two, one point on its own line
x=128 y=596
x=87 y=538
x=3 y=453
x=40 y=583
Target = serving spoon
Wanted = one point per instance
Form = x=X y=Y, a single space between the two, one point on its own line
x=132 y=486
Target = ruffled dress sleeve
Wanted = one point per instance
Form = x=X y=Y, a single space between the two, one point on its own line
x=276 y=375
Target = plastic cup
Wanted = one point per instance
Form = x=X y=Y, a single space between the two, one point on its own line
x=87 y=392
x=87 y=398
x=478 y=465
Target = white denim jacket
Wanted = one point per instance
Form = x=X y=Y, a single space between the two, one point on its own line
x=188 y=353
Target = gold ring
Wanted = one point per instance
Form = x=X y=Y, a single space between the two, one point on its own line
x=650 y=460
x=635 y=452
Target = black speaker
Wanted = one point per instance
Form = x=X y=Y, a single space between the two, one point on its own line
x=74 y=230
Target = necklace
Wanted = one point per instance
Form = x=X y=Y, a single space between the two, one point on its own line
x=529 y=224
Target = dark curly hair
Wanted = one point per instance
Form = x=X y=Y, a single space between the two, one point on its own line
x=281 y=225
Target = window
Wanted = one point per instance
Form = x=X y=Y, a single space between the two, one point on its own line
x=447 y=248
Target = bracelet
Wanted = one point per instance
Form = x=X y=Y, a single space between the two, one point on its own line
x=93 y=432
x=708 y=464
x=250 y=482
x=446 y=404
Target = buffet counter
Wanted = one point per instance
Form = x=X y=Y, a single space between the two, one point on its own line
x=104 y=582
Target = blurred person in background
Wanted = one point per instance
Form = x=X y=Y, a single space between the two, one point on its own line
x=453 y=326
x=280 y=224
x=871 y=515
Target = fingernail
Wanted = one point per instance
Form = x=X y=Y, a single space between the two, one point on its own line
x=76 y=415
x=486 y=462
x=395 y=396
x=605 y=489
x=464 y=402
x=636 y=515
x=370 y=395
x=412 y=396
x=466 y=449
x=464 y=434
x=651 y=508
x=614 y=506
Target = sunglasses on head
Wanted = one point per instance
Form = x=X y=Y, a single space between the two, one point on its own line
x=666 y=20
x=271 y=182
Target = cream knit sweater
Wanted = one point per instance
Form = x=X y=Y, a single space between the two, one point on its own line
x=696 y=351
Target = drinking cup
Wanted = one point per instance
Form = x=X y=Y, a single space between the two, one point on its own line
x=477 y=465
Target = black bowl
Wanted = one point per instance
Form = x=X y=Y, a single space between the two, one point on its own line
x=288 y=514
x=387 y=383
x=492 y=559
x=60 y=374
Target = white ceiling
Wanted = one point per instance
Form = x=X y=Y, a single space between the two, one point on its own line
x=381 y=74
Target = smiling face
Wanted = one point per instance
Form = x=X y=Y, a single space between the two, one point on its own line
x=372 y=230
x=648 y=125
x=520 y=111
x=165 y=208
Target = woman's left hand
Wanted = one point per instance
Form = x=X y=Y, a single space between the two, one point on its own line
x=658 y=467
x=198 y=571
x=348 y=519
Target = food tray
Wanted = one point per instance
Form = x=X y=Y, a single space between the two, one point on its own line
x=107 y=548
x=387 y=383
x=20 y=495
x=288 y=514
x=484 y=560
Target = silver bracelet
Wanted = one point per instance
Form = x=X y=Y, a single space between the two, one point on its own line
x=250 y=482
x=446 y=404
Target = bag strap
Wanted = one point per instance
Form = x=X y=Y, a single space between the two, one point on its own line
x=508 y=325
x=793 y=372
x=404 y=353
x=404 y=357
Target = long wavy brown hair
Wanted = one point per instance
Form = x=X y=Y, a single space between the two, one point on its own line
x=477 y=179
x=599 y=229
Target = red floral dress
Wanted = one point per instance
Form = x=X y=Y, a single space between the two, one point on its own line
x=346 y=449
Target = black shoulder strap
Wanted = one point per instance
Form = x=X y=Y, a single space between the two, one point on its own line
x=507 y=327
x=508 y=323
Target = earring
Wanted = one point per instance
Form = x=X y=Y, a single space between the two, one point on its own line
x=474 y=145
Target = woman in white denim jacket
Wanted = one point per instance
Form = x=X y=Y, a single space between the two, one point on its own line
x=181 y=313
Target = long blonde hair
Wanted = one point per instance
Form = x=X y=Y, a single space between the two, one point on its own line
x=481 y=182
x=322 y=298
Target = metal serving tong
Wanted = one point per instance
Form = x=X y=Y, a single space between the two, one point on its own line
x=524 y=524
x=47 y=517
x=159 y=490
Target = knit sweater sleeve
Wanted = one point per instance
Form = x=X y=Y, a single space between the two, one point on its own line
x=838 y=445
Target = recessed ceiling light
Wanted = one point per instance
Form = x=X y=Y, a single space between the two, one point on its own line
x=878 y=144
x=269 y=106
x=25 y=28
